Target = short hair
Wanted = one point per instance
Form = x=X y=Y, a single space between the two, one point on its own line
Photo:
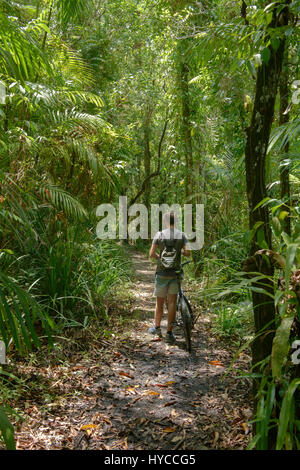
x=169 y=218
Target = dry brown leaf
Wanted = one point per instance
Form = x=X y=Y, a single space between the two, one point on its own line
x=171 y=382
x=236 y=420
x=169 y=403
x=124 y=374
x=215 y=363
x=245 y=427
x=176 y=439
x=88 y=426
x=169 y=429
x=216 y=438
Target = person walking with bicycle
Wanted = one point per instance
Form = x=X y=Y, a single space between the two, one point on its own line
x=171 y=244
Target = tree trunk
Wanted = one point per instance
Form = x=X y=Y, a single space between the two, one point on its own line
x=257 y=140
x=283 y=119
x=186 y=124
x=147 y=155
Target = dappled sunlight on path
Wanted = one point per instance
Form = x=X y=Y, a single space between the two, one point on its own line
x=135 y=391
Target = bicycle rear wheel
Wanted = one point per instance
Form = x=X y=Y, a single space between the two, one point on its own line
x=186 y=317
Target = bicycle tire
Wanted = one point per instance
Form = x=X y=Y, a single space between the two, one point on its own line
x=184 y=310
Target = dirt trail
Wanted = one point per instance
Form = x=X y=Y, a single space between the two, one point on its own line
x=140 y=393
x=171 y=399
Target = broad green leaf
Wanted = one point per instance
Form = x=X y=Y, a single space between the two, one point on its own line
x=7 y=431
x=265 y=55
x=290 y=257
x=281 y=346
x=254 y=229
x=275 y=43
x=264 y=201
x=285 y=411
x=283 y=215
x=277 y=227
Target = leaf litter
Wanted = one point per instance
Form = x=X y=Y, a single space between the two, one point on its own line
x=102 y=396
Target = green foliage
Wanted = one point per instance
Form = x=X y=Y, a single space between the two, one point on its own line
x=18 y=313
x=281 y=346
x=100 y=96
x=20 y=54
x=73 y=10
x=7 y=430
x=288 y=429
x=233 y=320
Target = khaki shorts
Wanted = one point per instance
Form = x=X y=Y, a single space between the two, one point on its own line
x=165 y=285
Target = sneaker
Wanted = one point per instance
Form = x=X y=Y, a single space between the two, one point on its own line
x=170 y=338
x=155 y=330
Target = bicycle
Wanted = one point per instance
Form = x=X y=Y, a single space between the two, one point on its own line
x=185 y=310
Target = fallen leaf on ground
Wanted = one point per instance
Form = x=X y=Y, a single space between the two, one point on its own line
x=169 y=429
x=245 y=427
x=169 y=403
x=176 y=439
x=215 y=363
x=166 y=384
x=216 y=438
x=88 y=426
x=124 y=374
x=236 y=420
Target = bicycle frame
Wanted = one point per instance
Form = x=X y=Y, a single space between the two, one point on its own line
x=179 y=279
x=183 y=306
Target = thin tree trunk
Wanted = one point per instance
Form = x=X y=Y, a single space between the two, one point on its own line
x=283 y=119
x=258 y=134
x=147 y=155
x=146 y=182
x=186 y=124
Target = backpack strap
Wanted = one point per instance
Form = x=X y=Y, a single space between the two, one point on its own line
x=168 y=242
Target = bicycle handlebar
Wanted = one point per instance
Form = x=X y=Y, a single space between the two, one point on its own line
x=186 y=262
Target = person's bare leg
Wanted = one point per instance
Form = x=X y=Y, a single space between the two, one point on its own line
x=172 y=299
x=159 y=310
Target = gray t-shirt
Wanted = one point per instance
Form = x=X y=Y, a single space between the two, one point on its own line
x=181 y=241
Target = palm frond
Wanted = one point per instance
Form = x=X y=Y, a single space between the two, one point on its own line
x=73 y=10
x=20 y=55
x=86 y=154
x=62 y=200
x=73 y=67
x=284 y=134
x=57 y=96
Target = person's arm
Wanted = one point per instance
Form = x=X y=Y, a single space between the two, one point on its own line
x=153 y=251
x=186 y=252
